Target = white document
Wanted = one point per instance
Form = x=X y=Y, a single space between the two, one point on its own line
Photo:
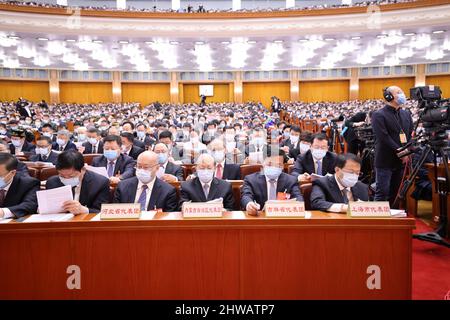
x=4 y=221
x=99 y=170
x=256 y=157
x=398 y=213
x=218 y=200
x=51 y=201
x=49 y=217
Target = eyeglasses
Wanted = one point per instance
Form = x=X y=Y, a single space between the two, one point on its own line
x=145 y=167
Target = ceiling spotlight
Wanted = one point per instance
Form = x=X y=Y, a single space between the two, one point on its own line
x=149 y=42
x=97 y=41
x=438 y=31
x=356 y=38
x=303 y=40
x=199 y=42
x=251 y=41
x=14 y=37
x=174 y=42
x=71 y=40
x=329 y=39
x=225 y=42
x=410 y=34
x=278 y=41
x=42 y=39
x=381 y=36
x=124 y=41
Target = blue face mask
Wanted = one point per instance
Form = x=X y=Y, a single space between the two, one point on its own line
x=3 y=182
x=162 y=158
x=73 y=182
x=272 y=172
x=349 y=179
x=110 y=154
x=205 y=175
x=140 y=134
x=401 y=98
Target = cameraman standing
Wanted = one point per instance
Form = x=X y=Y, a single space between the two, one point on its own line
x=393 y=127
x=354 y=145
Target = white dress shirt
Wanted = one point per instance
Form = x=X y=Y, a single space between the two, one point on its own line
x=149 y=192
x=341 y=207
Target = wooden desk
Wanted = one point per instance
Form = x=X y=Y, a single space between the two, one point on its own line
x=237 y=257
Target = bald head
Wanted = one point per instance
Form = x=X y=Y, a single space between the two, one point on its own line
x=148 y=160
x=396 y=92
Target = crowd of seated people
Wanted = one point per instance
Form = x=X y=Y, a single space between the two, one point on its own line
x=144 y=149
x=201 y=8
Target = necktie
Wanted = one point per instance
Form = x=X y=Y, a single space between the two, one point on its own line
x=110 y=169
x=206 y=190
x=272 y=189
x=143 y=197
x=94 y=149
x=344 y=195
x=2 y=197
x=44 y=158
x=319 y=167
x=61 y=148
x=219 y=171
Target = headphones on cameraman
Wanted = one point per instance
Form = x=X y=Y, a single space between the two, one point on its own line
x=387 y=95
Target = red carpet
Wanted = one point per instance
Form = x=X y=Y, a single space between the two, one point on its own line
x=431 y=268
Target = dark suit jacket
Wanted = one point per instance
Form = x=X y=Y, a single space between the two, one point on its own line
x=21 y=197
x=386 y=124
x=148 y=141
x=139 y=144
x=69 y=146
x=231 y=171
x=52 y=157
x=135 y=152
x=255 y=188
x=305 y=163
x=124 y=165
x=174 y=170
x=193 y=191
x=22 y=169
x=294 y=149
x=325 y=192
x=27 y=147
x=88 y=148
x=94 y=190
x=164 y=196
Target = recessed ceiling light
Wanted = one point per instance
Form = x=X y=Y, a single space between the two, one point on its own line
x=438 y=31
x=97 y=41
x=42 y=39
x=251 y=41
x=123 y=41
x=149 y=42
x=381 y=36
x=199 y=42
x=71 y=40
x=303 y=40
x=225 y=42
x=14 y=37
x=174 y=42
x=356 y=38
x=409 y=34
x=277 y=41
x=329 y=39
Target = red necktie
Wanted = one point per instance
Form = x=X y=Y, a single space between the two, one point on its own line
x=219 y=171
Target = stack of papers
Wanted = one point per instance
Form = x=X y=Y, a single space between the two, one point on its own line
x=49 y=217
x=51 y=201
x=99 y=170
x=4 y=220
x=398 y=213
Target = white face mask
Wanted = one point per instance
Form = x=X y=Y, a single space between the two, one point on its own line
x=144 y=176
x=294 y=139
x=304 y=147
x=42 y=151
x=349 y=179
x=16 y=143
x=318 y=154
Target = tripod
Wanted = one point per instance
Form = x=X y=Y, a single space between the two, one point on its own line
x=442 y=188
x=335 y=136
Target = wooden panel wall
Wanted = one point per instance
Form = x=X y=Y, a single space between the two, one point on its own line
x=330 y=90
x=190 y=93
x=263 y=91
x=373 y=88
x=85 y=92
x=30 y=90
x=145 y=93
x=442 y=81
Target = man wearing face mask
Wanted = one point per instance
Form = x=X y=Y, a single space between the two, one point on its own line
x=223 y=169
x=333 y=193
x=19 y=145
x=268 y=185
x=207 y=187
x=211 y=133
x=17 y=192
x=89 y=189
x=63 y=142
x=292 y=145
x=128 y=147
x=43 y=151
x=94 y=144
x=146 y=189
x=128 y=126
x=118 y=165
x=317 y=160
x=167 y=171
x=22 y=168
x=48 y=131
x=392 y=127
x=141 y=135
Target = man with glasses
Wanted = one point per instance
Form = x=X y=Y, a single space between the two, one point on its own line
x=333 y=193
x=44 y=151
x=145 y=188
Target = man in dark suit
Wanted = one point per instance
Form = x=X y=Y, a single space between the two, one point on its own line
x=223 y=169
x=63 y=142
x=17 y=192
x=206 y=187
x=94 y=142
x=211 y=133
x=261 y=187
x=24 y=108
x=48 y=131
x=118 y=166
x=354 y=145
x=168 y=171
x=90 y=189
x=146 y=189
x=333 y=193
x=22 y=168
x=18 y=144
x=143 y=136
x=317 y=160
x=43 y=151
x=128 y=147
x=128 y=126
x=392 y=127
